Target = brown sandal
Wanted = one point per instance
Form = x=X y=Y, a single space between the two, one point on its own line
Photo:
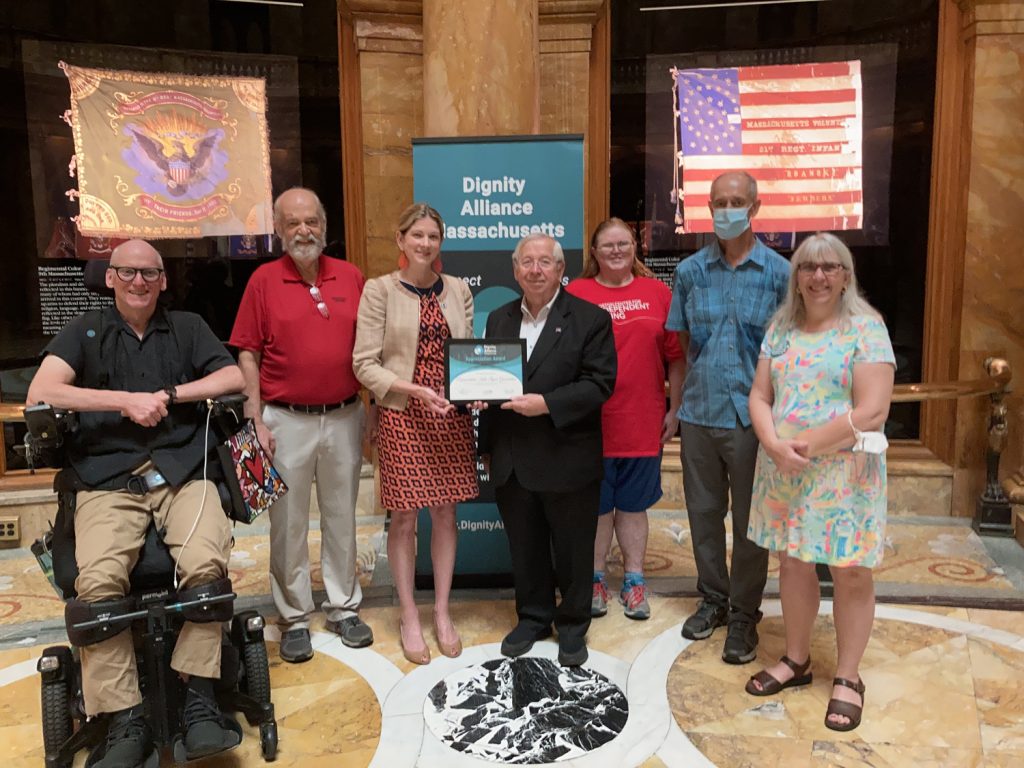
x=770 y=686
x=845 y=708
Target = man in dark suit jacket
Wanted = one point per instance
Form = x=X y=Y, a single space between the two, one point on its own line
x=545 y=449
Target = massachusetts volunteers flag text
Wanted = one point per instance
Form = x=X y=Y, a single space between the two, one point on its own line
x=796 y=128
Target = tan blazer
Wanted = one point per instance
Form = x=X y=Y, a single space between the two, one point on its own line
x=388 y=328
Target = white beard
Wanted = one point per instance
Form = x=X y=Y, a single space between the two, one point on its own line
x=306 y=251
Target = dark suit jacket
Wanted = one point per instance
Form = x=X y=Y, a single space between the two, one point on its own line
x=573 y=366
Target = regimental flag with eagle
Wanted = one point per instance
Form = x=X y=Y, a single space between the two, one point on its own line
x=796 y=128
x=169 y=156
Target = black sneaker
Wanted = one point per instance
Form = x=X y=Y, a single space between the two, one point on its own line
x=741 y=642
x=204 y=730
x=129 y=741
x=705 y=620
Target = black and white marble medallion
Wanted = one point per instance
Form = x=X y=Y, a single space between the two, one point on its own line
x=525 y=711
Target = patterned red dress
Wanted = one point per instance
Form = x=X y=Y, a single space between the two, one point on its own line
x=426 y=459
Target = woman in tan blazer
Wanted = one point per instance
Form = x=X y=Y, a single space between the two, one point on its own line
x=425 y=446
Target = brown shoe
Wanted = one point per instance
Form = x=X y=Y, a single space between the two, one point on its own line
x=770 y=686
x=845 y=708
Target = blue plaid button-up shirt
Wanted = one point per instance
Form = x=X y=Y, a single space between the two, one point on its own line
x=725 y=311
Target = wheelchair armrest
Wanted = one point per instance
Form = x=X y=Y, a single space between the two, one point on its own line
x=46 y=429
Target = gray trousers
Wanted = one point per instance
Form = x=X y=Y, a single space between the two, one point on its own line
x=327 y=448
x=717 y=462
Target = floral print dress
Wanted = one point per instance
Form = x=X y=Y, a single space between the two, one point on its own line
x=834 y=510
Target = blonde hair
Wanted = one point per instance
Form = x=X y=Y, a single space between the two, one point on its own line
x=820 y=247
x=418 y=211
x=590 y=266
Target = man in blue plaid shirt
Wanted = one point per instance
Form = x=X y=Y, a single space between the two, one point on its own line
x=722 y=299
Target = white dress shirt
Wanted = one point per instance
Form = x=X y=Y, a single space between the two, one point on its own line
x=532 y=326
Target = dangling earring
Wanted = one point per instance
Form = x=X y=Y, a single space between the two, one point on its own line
x=403 y=260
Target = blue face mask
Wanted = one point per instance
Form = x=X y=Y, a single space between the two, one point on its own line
x=731 y=222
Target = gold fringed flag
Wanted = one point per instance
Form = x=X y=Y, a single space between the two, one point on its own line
x=165 y=156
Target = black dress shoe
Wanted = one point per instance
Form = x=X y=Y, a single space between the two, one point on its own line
x=572 y=652
x=521 y=639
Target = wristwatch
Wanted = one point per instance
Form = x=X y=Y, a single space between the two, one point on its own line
x=172 y=395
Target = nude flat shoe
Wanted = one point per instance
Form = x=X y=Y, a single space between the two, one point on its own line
x=416 y=657
x=451 y=650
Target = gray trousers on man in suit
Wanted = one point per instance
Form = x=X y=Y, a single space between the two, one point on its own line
x=717 y=463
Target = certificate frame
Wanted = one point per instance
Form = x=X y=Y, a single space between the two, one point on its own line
x=486 y=370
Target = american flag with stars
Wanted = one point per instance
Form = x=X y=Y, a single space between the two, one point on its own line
x=795 y=127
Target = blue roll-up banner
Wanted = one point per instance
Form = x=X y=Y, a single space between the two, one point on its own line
x=491 y=192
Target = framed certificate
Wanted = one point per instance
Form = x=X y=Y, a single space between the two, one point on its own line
x=490 y=370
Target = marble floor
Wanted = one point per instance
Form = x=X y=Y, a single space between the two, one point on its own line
x=924 y=557
x=945 y=687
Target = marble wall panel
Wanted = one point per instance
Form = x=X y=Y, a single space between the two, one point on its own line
x=909 y=494
x=392 y=115
x=564 y=86
x=919 y=496
x=35 y=513
x=477 y=83
x=993 y=297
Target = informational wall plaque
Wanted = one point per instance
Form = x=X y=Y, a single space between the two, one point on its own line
x=169 y=156
x=63 y=296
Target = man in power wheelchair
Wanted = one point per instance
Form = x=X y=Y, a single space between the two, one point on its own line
x=134 y=374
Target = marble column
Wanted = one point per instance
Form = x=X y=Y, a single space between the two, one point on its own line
x=993 y=278
x=414 y=68
x=480 y=67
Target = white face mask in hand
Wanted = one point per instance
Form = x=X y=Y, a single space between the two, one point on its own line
x=867 y=442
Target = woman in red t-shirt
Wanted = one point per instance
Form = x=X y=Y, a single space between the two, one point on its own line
x=634 y=422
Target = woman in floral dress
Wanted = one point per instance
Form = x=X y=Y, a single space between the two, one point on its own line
x=824 y=378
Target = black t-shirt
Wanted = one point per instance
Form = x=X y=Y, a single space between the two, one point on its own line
x=105 y=353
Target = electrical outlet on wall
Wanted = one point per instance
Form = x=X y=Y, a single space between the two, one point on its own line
x=10 y=531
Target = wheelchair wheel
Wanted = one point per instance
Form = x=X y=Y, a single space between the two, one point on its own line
x=57 y=722
x=257 y=673
x=268 y=740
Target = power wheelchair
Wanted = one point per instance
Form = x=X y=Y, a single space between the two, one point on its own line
x=153 y=611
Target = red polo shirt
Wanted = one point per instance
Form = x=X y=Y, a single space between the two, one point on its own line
x=306 y=358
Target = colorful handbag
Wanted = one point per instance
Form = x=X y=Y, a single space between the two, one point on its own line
x=258 y=484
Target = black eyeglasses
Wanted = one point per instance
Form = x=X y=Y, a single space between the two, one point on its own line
x=127 y=274
x=318 y=297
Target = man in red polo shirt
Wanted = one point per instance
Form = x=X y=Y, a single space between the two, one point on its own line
x=294 y=331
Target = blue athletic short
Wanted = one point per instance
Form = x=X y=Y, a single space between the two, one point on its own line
x=631 y=484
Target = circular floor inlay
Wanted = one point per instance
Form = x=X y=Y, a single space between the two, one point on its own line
x=525 y=711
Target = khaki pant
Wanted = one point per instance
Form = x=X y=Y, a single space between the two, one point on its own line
x=326 y=448
x=110 y=528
